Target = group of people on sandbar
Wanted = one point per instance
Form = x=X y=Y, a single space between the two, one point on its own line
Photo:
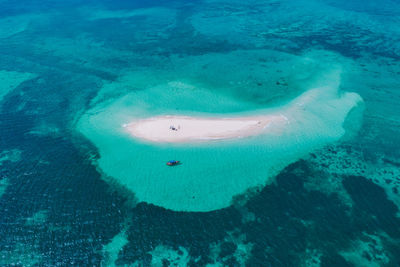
x=173 y=128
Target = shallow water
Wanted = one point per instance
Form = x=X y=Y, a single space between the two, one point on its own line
x=211 y=173
x=67 y=196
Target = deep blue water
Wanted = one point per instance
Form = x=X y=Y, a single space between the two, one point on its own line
x=299 y=220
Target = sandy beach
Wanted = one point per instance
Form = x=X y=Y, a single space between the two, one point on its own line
x=226 y=145
x=177 y=129
x=303 y=110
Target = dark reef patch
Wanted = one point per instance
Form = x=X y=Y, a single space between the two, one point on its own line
x=289 y=221
x=372 y=207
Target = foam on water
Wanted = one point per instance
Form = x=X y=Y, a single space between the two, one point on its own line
x=211 y=173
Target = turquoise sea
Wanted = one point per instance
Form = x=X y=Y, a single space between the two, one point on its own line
x=77 y=190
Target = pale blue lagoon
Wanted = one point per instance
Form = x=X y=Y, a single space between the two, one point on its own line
x=320 y=187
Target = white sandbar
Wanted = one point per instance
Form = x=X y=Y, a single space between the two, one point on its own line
x=213 y=171
x=186 y=129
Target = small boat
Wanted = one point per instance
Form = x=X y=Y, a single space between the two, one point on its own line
x=173 y=162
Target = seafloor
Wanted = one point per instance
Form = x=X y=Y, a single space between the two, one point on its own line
x=61 y=61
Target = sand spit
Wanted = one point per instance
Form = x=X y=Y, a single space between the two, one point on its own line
x=177 y=129
x=302 y=110
x=223 y=154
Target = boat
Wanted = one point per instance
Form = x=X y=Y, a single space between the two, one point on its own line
x=173 y=162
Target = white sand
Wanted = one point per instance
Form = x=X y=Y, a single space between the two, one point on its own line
x=211 y=174
x=158 y=129
x=316 y=108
